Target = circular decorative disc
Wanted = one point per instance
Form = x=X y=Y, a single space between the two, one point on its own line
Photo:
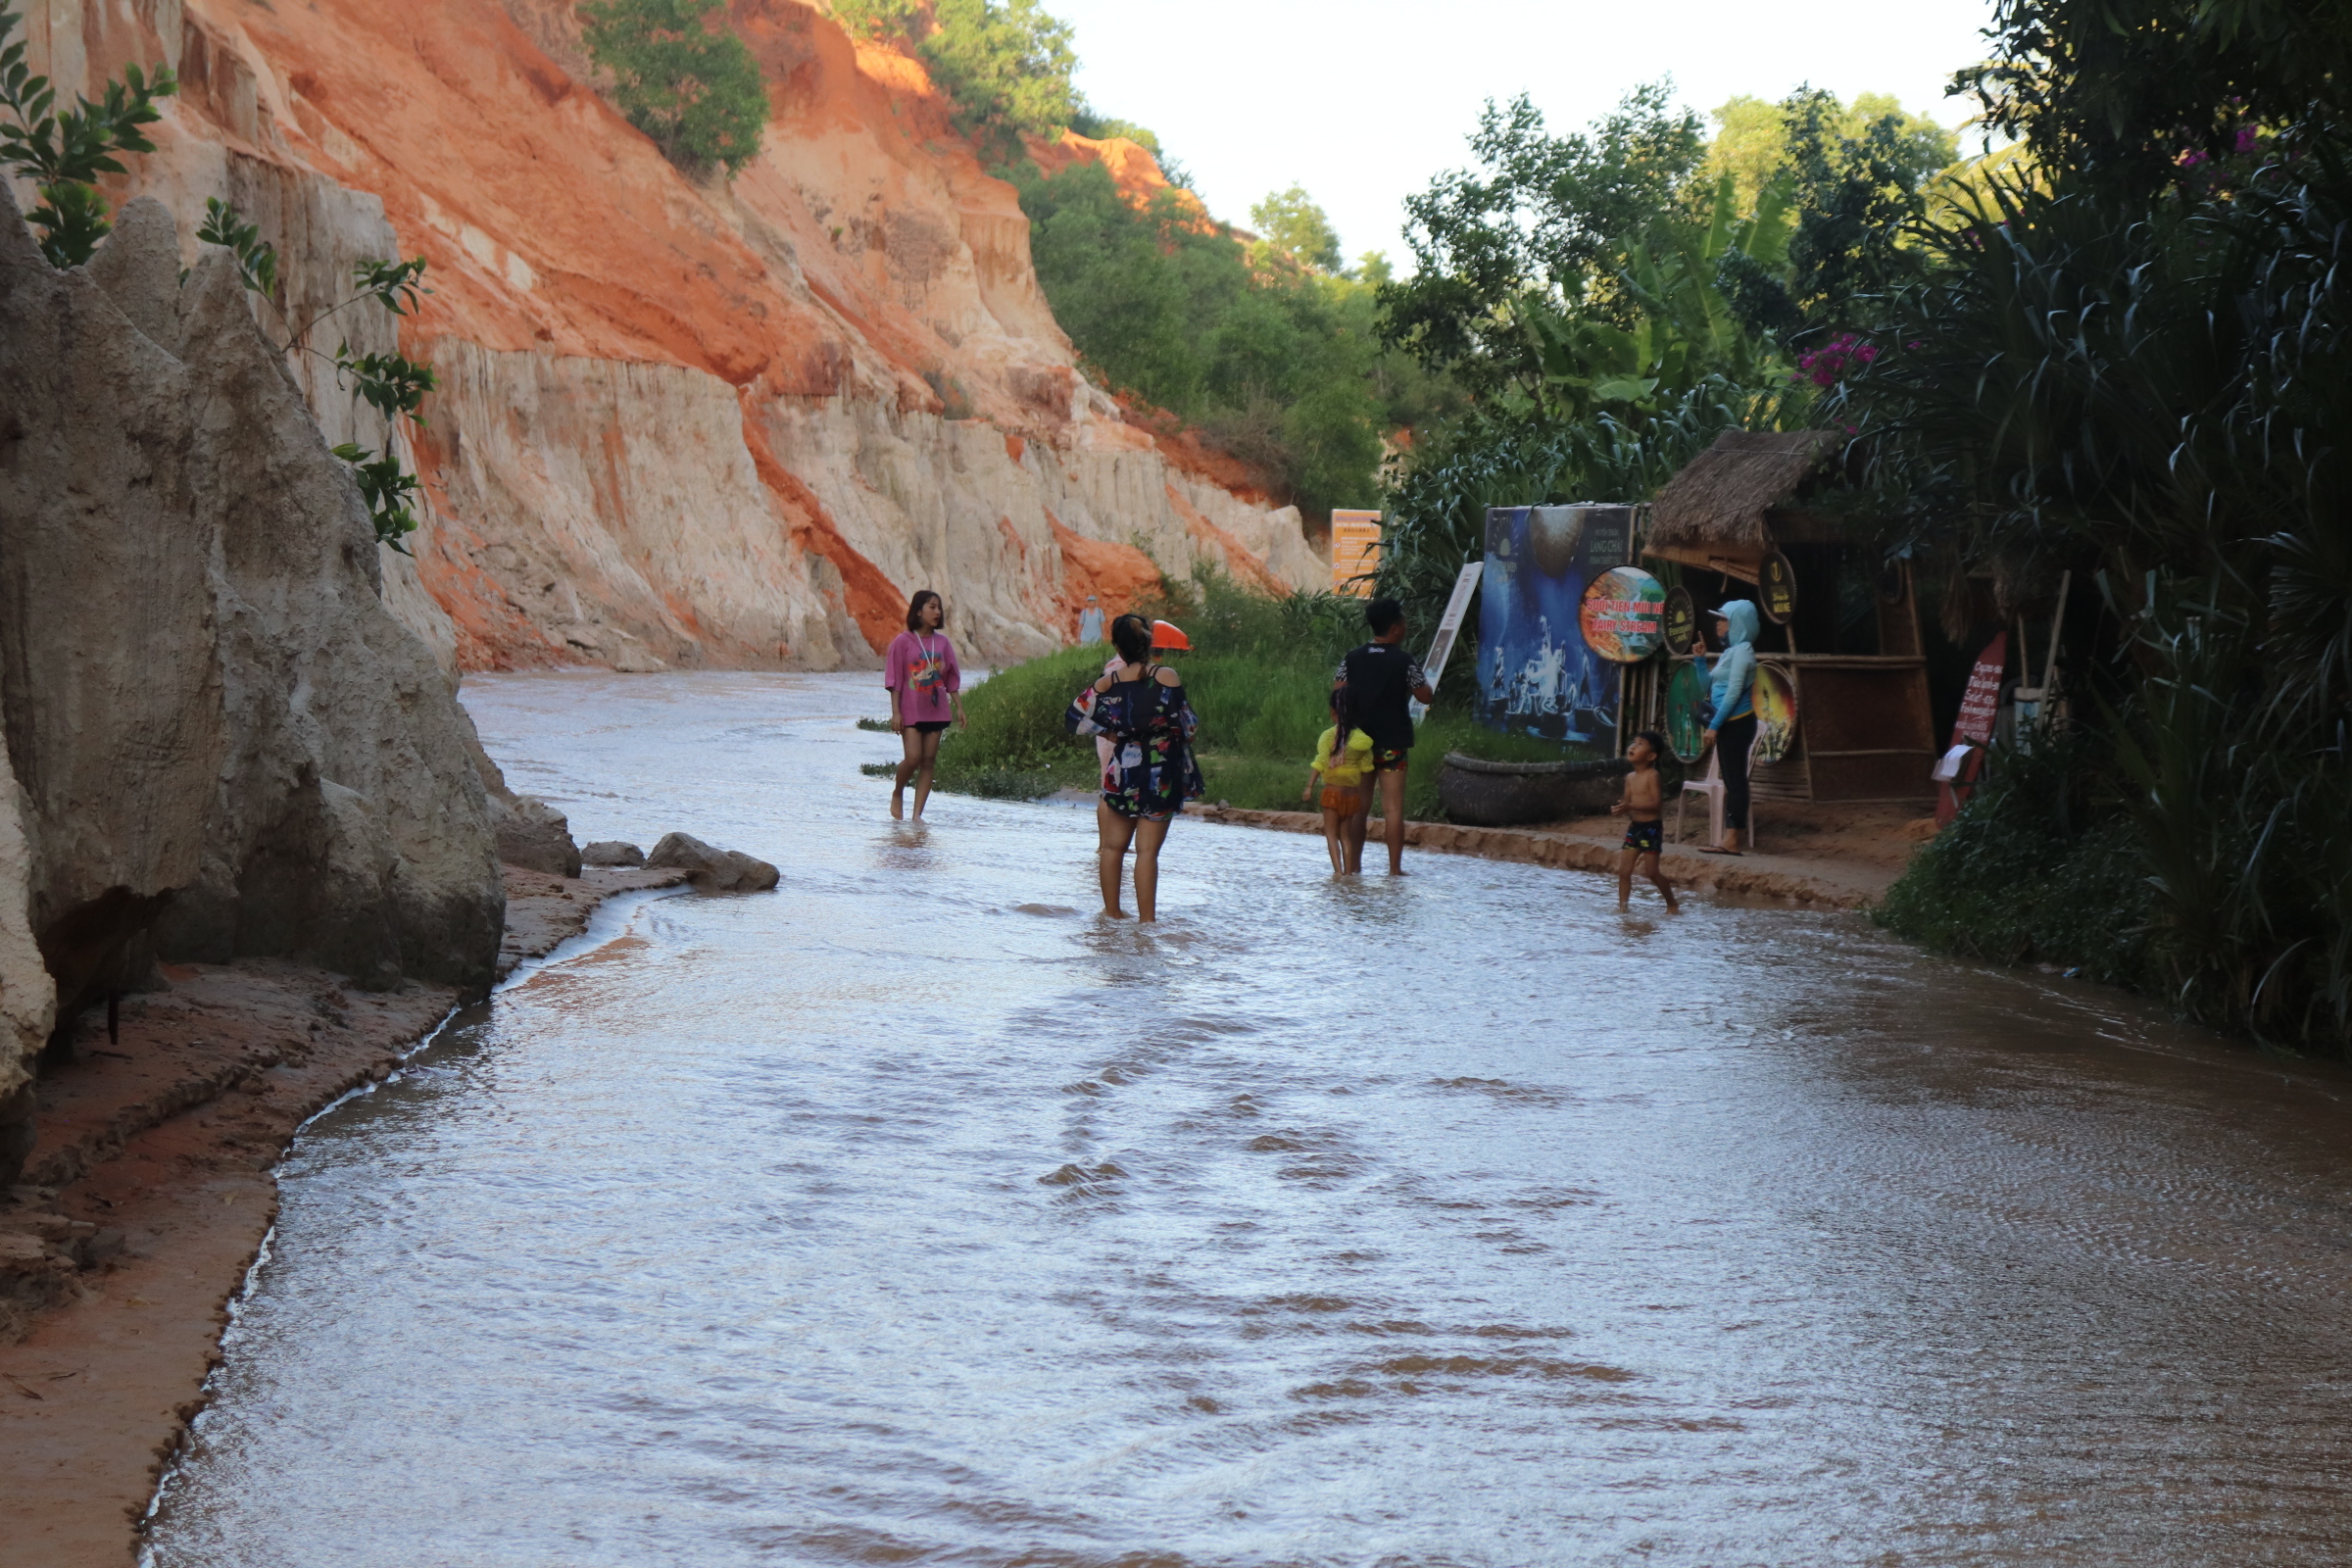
x=1680 y=620
x=1619 y=615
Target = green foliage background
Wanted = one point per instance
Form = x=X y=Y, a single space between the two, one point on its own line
x=1277 y=359
x=2123 y=359
x=689 y=84
x=1616 y=298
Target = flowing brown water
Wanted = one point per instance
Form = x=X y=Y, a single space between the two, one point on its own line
x=913 y=1215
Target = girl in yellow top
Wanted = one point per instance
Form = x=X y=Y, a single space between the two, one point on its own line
x=1343 y=761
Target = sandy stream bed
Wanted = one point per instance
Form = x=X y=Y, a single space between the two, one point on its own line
x=157 y=1150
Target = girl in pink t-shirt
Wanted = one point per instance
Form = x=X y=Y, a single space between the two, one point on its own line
x=925 y=681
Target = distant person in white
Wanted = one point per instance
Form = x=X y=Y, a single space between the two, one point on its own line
x=1090 y=624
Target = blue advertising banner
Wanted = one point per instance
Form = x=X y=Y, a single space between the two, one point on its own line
x=1536 y=675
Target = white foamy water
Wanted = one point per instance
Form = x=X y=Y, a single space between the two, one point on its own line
x=913 y=1215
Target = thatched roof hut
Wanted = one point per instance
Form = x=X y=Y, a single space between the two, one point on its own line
x=1720 y=499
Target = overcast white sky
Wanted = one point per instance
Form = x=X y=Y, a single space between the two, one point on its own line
x=1362 y=102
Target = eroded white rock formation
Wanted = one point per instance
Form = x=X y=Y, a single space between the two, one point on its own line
x=227 y=746
x=27 y=995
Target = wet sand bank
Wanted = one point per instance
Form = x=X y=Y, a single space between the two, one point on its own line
x=149 y=1196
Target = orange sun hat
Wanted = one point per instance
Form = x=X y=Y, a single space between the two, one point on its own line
x=1167 y=634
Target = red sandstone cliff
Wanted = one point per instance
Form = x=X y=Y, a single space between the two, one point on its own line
x=681 y=421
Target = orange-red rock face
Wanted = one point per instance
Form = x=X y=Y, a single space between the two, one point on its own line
x=1132 y=167
x=681 y=421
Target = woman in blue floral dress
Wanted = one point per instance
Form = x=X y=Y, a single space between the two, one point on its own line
x=1141 y=709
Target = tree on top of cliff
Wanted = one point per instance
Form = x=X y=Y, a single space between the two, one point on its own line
x=692 y=87
x=1008 y=66
x=1295 y=230
x=1005 y=63
x=1280 y=364
x=1101 y=128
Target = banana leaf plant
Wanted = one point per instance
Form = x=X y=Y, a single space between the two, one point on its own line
x=1685 y=330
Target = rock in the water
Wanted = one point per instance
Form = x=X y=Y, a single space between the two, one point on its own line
x=709 y=869
x=227 y=745
x=534 y=835
x=612 y=851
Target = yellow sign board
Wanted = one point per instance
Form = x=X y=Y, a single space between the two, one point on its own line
x=1355 y=552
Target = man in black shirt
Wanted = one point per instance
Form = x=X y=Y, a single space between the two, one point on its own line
x=1380 y=678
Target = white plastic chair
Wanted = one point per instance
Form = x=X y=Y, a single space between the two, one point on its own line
x=1711 y=785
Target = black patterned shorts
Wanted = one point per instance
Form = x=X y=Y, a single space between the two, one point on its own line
x=1645 y=838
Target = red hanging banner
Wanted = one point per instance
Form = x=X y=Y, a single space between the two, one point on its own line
x=1980 y=707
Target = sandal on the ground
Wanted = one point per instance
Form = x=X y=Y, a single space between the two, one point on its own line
x=1711 y=851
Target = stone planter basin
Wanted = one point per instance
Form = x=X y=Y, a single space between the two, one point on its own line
x=1486 y=794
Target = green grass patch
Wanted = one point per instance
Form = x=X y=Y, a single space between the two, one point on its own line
x=1259 y=719
x=1013 y=745
x=1261 y=783
x=1261 y=681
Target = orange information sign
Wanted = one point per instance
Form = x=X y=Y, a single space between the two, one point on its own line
x=1355 y=552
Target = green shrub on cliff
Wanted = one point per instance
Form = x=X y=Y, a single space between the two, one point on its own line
x=1008 y=66
x=392 y=384
x=1101 y=128
x=1271 y=351
x=690 y=85
x=1005 y=64
x=64 y=154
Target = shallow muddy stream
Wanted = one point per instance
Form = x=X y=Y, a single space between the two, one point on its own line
x=913 y=1214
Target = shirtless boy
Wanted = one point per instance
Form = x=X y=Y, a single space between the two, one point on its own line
x=1644 y=807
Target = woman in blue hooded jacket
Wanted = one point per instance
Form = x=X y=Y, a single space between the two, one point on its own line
x=1732 y=729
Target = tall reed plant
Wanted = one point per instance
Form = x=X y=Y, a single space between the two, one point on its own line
x=2150 y=391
